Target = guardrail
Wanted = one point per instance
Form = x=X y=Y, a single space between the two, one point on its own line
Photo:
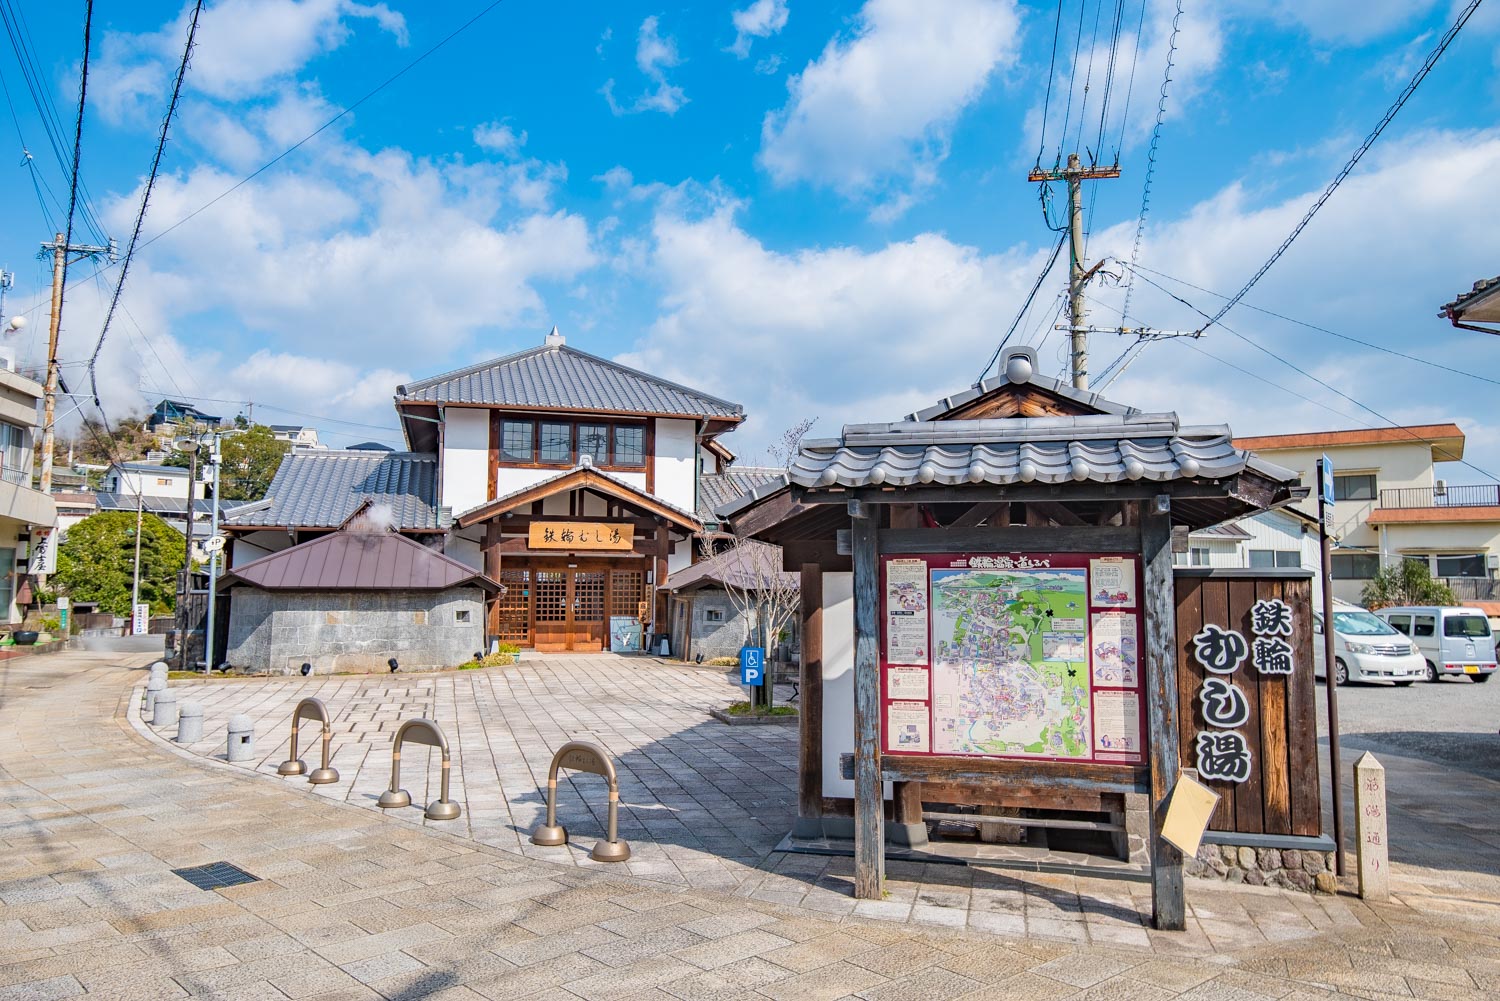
x=1473 y=588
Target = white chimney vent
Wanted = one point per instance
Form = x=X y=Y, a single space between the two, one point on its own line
x=555 y=339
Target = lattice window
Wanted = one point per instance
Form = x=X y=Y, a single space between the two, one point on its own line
x=627 y=591
x=515 y=606
x=551 y=596
x=588 y=596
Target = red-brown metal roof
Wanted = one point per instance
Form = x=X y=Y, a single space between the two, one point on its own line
x=358 y=561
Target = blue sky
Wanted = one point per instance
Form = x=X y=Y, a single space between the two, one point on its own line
x=817 y=209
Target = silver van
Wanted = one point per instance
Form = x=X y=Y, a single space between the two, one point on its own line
x=1452 y=640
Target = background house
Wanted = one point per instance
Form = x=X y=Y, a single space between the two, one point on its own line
x=1392 y=503
x=706 y=620
x=148 y=479
x=26 y=514
x=298 y=435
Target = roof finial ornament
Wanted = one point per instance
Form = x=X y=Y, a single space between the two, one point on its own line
x=555 y=339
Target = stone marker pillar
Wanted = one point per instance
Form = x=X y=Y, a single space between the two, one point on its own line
x=164 y=708
x=1369 y=826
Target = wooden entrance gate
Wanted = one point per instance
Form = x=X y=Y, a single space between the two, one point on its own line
x=567 y=608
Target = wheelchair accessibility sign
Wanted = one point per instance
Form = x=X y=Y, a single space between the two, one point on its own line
x=752 y=665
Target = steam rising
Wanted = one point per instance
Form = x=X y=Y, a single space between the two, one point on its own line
x=376 y=519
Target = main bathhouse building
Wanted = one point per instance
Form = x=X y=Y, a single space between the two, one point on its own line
x=574 y=481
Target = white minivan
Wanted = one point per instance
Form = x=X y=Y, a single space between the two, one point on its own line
x=1452 y=640
x=1365 y=648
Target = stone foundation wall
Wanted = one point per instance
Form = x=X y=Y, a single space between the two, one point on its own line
x=1295 y=869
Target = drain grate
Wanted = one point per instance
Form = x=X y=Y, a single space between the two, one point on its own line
x=216 y=875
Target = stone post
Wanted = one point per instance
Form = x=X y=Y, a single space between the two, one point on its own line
x=1369 y=826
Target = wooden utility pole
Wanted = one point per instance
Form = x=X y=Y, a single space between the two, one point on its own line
x=60 y=249
x=1075 y=174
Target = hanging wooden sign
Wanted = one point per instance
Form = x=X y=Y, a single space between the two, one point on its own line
x=582 y=535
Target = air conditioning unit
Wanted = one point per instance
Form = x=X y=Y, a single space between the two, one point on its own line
x=1493 y=561
x=1440 y=488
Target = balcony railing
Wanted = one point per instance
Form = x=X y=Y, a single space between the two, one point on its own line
x=1473 y=588
x=1468 y=495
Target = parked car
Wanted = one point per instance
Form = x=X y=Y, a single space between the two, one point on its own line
x=1454 y=640
x=1366 y=648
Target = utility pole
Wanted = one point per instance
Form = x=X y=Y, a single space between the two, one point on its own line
x=135 y=581
x=213 y=564
x=60 y=250
x=1075 y=174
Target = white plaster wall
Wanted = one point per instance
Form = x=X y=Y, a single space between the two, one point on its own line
x=145 y=485
x=251 y=547
x=636 y=480
x=466 y=551
x=556 y=504
x=594 y=506
x=838 y=682
x=682 y=559
x=466 y=458
x=677 y=463
x=508 y=480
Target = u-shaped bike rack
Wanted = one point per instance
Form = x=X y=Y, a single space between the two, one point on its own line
x=311 y=708
x=583 y=757
x=419 y=731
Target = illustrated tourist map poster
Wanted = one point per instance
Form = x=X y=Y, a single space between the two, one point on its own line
x=1012 y=655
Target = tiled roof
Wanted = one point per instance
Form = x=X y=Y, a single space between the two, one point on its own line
x=1463 y=305
x=555 y=376
x=1227 y=530
x=542 y=484
x=358 y=561
x=1119 y=445
x=748 y=567
x=160 y=505
x=718 y=489
x=322 y=489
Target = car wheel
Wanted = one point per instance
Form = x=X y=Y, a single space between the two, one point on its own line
x=1480 y=679
x=1403 y=684
x=1432 y=672
x=1340 y=672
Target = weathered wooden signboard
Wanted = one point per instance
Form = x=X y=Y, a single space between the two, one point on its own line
x=1013 y=655
x=1247 y=699
x=582 y=536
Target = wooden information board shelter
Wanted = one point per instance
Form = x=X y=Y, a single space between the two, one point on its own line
x=1014 y=626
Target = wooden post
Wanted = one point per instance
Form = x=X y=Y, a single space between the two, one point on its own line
x=869 y=793
x=1369 y=827
x=492 y=571
x=1168 y=905
x=810 y=713
x=659 y=581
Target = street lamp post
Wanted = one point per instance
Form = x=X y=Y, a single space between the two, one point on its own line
x=213 y=562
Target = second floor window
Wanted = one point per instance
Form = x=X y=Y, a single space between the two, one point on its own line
x=1356 y=487
x=13 y=453
x=564 y=443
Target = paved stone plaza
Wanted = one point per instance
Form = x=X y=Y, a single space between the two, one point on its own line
x=354 y=903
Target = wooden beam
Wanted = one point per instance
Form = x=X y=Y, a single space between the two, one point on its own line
x=1059 y=513
x=975 y=515
x=993 y=772
x=1020 y=492
x=869 y=791
x=1159 y=603
x=494 y=460
x=823 y=553
x=768 y=513
x=1010 y=540
x=810 y=710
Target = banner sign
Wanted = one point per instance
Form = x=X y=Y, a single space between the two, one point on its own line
x=582 y=535
x=1013 y=656
x=43 y=552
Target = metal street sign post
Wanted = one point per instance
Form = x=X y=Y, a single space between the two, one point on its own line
x=752 y=666
x=1325 y=515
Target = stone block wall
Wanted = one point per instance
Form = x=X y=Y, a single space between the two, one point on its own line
x=716 y=639
x=353 y=631
x=1291 y=868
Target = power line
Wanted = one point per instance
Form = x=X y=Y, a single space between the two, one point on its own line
x=316 y=132
x=1046 y=269
x=83 y=90
x=140 y=216
x=1364 y=147
x=1140 y=30
x=1161 y=114
x=1313 y=326
x=1308 y=375
x=1051 y=74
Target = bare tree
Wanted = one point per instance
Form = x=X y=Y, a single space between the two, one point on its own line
x=765 y=596
x=784 y=449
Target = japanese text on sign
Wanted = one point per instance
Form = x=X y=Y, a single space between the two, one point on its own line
x=581 y=535
x=1222 y=752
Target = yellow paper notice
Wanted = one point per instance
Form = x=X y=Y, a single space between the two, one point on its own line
x=1188 y=813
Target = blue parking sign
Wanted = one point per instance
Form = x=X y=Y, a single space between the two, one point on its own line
x=752 y=665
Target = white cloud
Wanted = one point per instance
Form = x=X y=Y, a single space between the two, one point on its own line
x=244 y=48
x=851 y=334
x=762 y=19
x=497 y=137
x=654 y=55
x=871 y=116
x=1342 y=22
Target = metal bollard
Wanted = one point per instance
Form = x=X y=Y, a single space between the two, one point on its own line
x=579 y=756
x=311 y=708
x=420 y=731
x=189 y=722
x=241 y=738
x=154 y=687
x=164 y=709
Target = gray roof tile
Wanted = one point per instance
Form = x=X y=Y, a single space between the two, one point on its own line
x=718 y=489
x=564 y=378
x=322 y=489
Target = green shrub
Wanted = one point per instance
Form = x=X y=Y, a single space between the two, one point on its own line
x=724 y=662
x=744 y=709
x=501 y=659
